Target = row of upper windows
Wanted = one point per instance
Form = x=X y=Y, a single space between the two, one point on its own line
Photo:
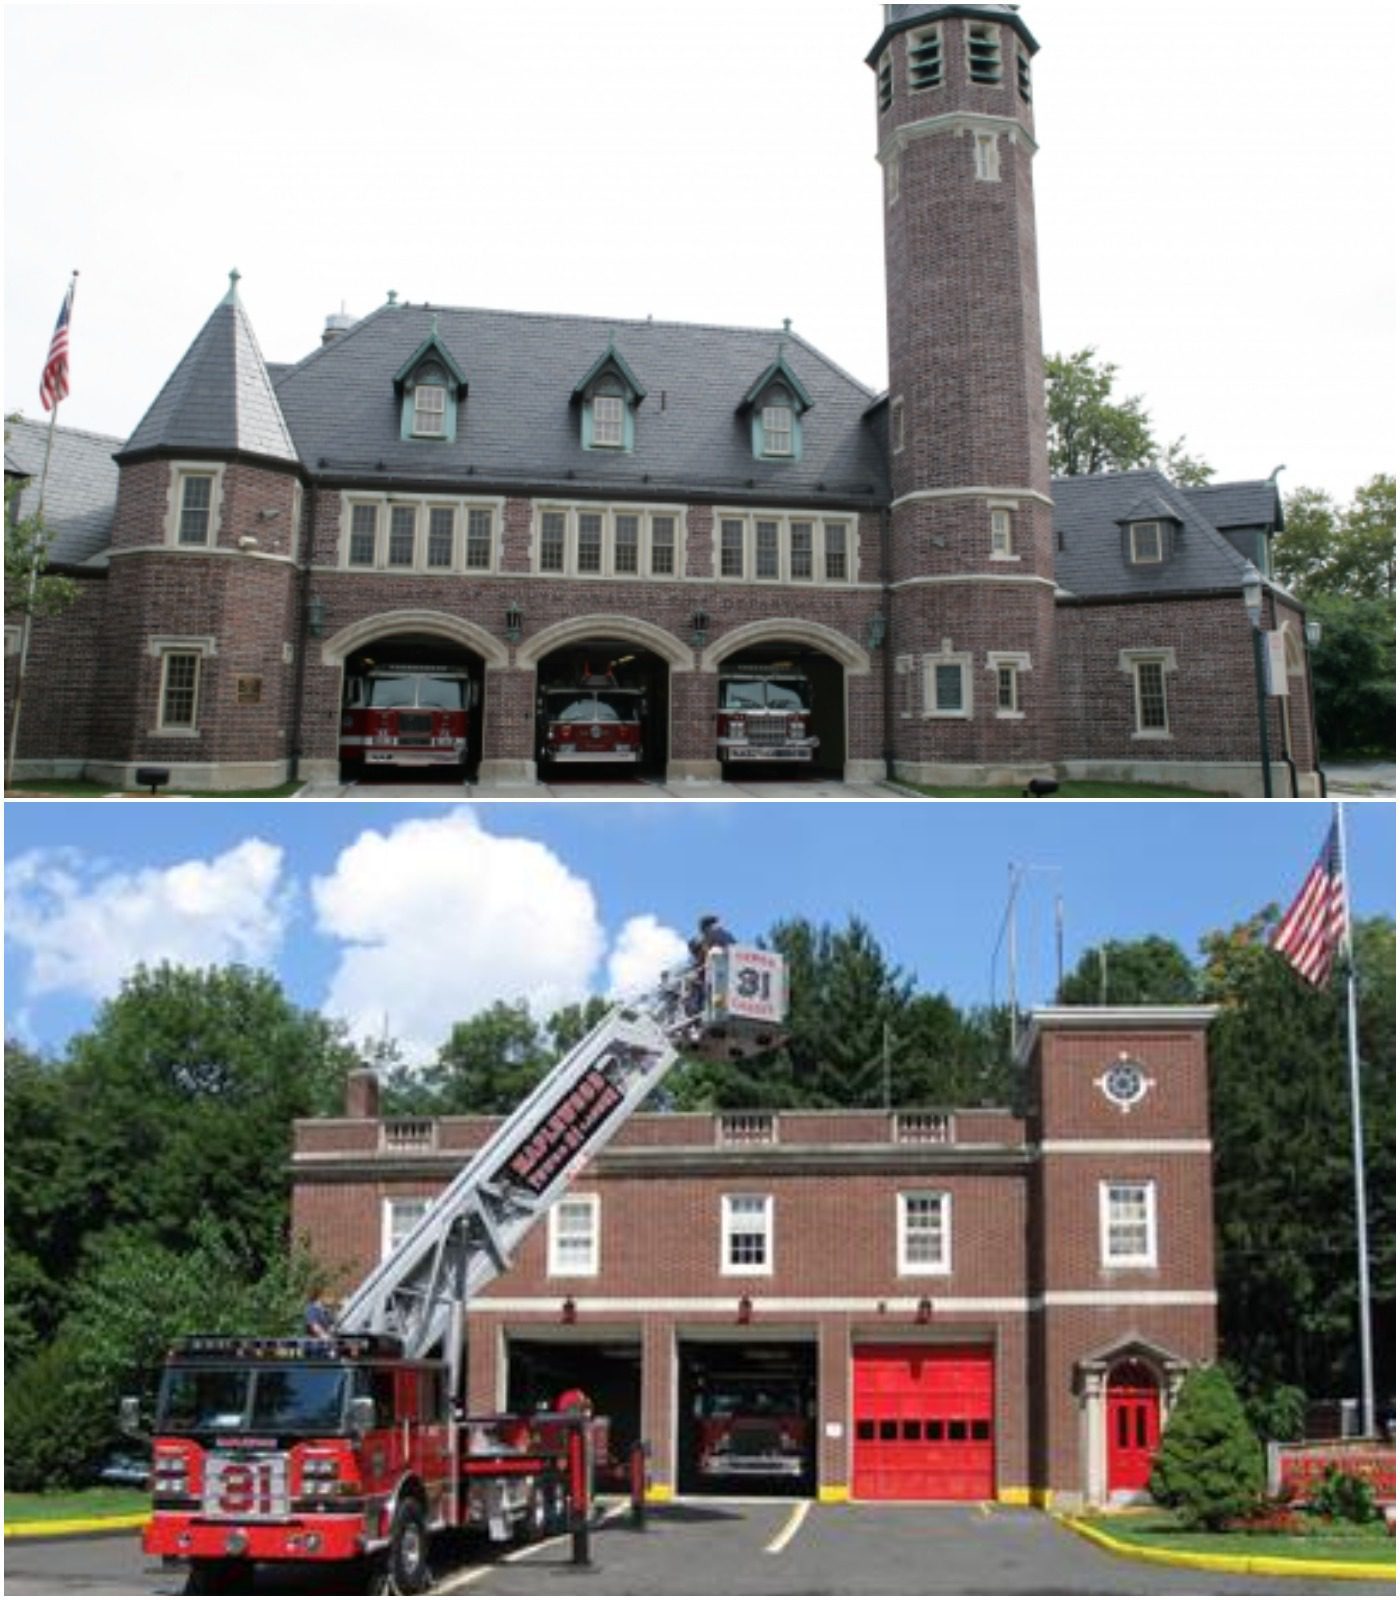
x=747 y=1235
x=926 y=60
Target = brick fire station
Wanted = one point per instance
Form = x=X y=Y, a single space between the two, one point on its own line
x=907 y=1305
x=516 y=498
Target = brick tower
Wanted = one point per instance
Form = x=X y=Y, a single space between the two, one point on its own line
x=972 y=608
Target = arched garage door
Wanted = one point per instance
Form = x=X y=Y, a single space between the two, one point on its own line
x=924 y=1422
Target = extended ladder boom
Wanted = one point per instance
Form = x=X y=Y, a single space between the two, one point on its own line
x=470 y=1233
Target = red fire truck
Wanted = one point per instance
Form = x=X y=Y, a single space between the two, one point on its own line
x=355 y=1447
x=597 y=721
x=406 y=716
x=751 y=1426
x=765 y=714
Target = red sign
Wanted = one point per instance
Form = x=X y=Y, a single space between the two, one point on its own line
x=1300 y=1468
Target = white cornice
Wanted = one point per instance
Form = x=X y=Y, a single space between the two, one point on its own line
x=973 y=577
x=971 y=492
x=815 y=1305
x=1125 y=1147
x=184 y=553
x=954 y=122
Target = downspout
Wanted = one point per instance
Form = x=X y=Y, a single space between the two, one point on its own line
x=886 y=580
x=302 y=638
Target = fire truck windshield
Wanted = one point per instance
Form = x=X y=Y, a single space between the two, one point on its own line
x=763 y=694
x=410 y=691
x=591 y=708
x=272 y=1399
x=774 y=1398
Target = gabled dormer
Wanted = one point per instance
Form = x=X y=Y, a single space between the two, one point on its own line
x=607 y=396
x=775 y=406
x=1151 y=530
x=430 y=386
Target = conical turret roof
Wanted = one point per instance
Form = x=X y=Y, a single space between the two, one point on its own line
x=220 y=396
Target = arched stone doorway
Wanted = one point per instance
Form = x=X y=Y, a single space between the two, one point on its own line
x=1126 y=1394
x=1133 y=1414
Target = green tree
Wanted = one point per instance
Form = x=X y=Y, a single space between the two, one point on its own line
x=1137 y=972
x=27 y=542
x=1353 y=673
x=1210 y=1467
x=1092 y=431
x=1328 y=550
x=489 y=1063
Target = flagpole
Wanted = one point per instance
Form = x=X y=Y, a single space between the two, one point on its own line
x=1358 y=1149
x=27 y=623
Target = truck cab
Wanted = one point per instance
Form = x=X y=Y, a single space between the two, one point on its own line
x=597 y=720
x=406 y=716
x=765 y=714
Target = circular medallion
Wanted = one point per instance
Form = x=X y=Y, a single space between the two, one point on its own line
x=1124 y=1083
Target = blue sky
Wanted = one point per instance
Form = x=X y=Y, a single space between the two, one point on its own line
x=404 y=916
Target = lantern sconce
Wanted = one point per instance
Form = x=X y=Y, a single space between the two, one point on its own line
x=568 y=1312
x=745 y=1311
x=924 y=1315
x=1312 y=632
x=875 y=632
x=515 y=623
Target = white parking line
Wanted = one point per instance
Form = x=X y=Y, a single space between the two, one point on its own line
x=789 y=1529
x=464 y=1580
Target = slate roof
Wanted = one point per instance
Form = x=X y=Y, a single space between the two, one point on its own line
x=82 y=491
x=1089 y=512
x=519 y=423
x=900 y=17
x=1239 y=505
x=219 y=397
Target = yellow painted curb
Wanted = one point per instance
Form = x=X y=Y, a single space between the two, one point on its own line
x=1014 y=1497
x=659 y=1493
x=1255 y=1566
x=833 y=1494
x=37 y=1530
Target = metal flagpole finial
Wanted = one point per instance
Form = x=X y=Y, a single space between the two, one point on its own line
x=231 y=298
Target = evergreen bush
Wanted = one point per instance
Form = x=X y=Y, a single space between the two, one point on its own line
x=1210 y=1468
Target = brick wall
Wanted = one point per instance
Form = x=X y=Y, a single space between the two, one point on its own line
x=62 y=678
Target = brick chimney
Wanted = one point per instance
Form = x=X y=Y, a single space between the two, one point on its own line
x=362 y=1094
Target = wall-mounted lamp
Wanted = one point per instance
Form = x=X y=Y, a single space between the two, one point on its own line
x=568 y=1312
x=1252 y=587
x=515 y=623
x=1312 y=632
x=700 y=628
x=924 y=1315
x=316 y=616
x=875 y=631
x=745 y=1311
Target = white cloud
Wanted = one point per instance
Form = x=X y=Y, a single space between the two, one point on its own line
x=642 y=952
x=85 y=926
x=440 y=918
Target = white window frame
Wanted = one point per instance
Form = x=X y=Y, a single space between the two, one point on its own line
x=909 y=1268
x=749 y=1269
x=947 y=657
x=389 y=1238
x=163 y=724
x=180 y=473
x=610 y=432
x=897 y=423
x=1003 y=531
x=422 y=412
x=1147 y=1257
x=892 y=179
x=778 y=425
x=646 y=515
x=906 y=675
x=1159 y=545
x=423 y=506
x=1016 y=662
x=986 y=155
x=413 y=509
x=558 y=1266
x=1132 y=662
x=785 y=520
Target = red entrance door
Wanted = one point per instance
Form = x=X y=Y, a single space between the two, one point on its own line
x=923 y=1420
x=1134 y=1426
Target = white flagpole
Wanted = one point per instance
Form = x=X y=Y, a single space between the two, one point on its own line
x=1358 y=1150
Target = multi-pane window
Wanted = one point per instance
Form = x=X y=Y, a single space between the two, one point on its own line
x=403 y=524
x=364 y=528
x=926 y=59
x=608 y=419
x=801 y=551
x=836 y=552
x=553 y=526
x=1128 y=1223
x=590 y=541
x=401 y=1217
x=479 y=539
x=987 y=155
x=766 y=550
x=430 y=410
x=1001 y=532
x=924 y=1243
x=949 y=698
x=777 y=430
x=897 y=425
x=196 y=507
x=573 y=1236
x=627 y=535
x=1008 y=693
x=663 y=545
x=1150 y=684
x=1145 y=543
x=731 y=548
x=984 y=52
x=440 y=522
x=179 y=689
x=747 y=1242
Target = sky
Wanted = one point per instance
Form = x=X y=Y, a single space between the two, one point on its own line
x=403 y=918
x=1212 y=190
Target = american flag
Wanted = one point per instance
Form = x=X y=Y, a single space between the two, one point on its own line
x=1313 y=927
x=53 y=386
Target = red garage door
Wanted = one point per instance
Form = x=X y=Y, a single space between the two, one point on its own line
x=923 y=1420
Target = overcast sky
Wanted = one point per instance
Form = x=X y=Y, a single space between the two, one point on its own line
x=419 y=915
x=1214 y=189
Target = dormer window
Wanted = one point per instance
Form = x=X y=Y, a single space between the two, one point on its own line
x=1146 y=546
x=775 y=405
x=777 y=430
x=430 y=405
x=608 y=396
x=431 y=387
x=609 y=415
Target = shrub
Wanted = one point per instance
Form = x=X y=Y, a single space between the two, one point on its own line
x=1210 y=1467
x=54 y=1431
x=1343 y=1497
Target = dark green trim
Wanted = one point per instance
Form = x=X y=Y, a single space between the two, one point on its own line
x=937 y=13
x=779 y=372
x=432 y=345
x=611 y=360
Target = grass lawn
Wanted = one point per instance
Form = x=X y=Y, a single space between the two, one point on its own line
x=1330 y=1541
x=1071 y=791
x=63 y=1505
x=80 y=789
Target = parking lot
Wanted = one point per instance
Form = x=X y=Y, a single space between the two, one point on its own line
x=731 y=1547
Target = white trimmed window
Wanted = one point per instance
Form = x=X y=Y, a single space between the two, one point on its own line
x=892 y=180
x=926 y=59
x=1150 y=695
x=430 y=411
x=800 y=568
x=441 y=531
x=897 y=425
x=777 y=430
x=180 y=672
x=403 y=535
x=836 y=551
x=925 y=1232
x=589 y=555
x=1001 y=534
x=1008 y=665
x=663 y=547
x=608 y=421
x=399 y=1219
x=987 y=156
x=746 y=1235
x=785 y=548
x=731 y=548
x=573 y=1236
x=379 y=534
x=554 y=541
x=364 y=535
x=1145 y=544
x=627 y=543
x=948 y=684
x=593 y=541
x=766 y=552
x=194 y=507
x=1127 y=1223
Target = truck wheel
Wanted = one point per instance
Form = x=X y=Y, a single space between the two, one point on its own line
x=534 y=1523
x=408 y=1550
x=219 y=1577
